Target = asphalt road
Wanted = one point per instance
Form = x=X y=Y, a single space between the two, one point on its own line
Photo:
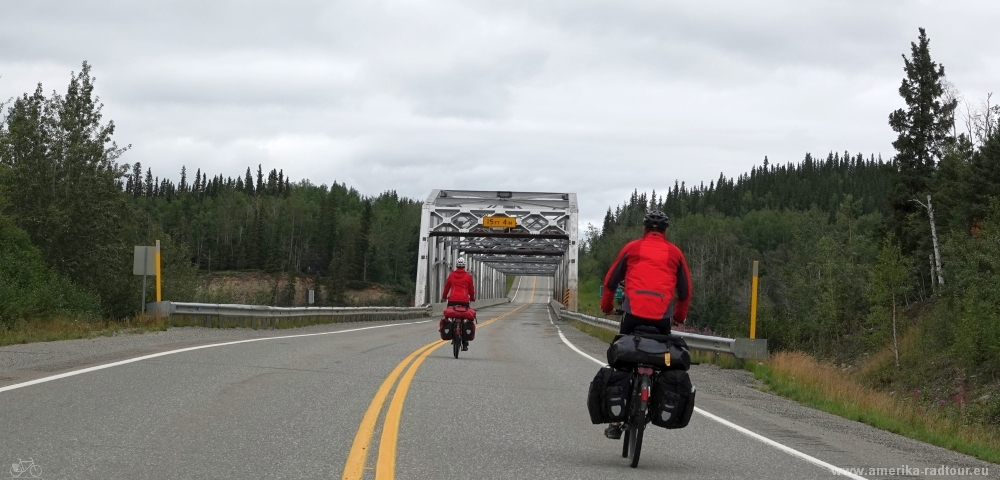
x=513 y=407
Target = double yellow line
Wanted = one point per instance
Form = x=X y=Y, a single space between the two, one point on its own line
x=385 y=466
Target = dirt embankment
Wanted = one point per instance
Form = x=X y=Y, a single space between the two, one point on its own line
x=253 y=288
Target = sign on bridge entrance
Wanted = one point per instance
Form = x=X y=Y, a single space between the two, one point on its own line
x=499 y=234
x=500 y=222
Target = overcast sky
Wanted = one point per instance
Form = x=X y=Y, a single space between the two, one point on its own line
x=597 y=98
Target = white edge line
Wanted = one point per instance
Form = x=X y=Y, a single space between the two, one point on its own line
x=517 y=288
x=789 y=450
x=181 y=350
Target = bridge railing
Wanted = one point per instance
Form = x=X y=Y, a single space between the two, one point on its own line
x=743 y=348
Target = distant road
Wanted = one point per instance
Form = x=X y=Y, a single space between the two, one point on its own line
x=513 y=407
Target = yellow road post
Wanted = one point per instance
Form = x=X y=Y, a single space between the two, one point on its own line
x=159 y=280
x=753 y=302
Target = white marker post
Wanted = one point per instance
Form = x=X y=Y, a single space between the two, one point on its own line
x=144 y=263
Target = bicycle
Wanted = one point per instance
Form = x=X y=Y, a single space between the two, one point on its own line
x=455 y=321
x=22 y=467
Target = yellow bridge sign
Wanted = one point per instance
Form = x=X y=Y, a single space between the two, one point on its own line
x=499 y=222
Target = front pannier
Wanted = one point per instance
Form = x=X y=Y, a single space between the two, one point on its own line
x=671 y=400
x=608 y=396
x=664 y=352
x=447 y=328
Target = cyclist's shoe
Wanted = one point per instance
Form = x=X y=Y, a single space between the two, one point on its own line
x=465 y=346
x=613 y=431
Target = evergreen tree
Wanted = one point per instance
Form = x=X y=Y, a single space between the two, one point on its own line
x=248 y=183
x=924 y=128
x=260 y=181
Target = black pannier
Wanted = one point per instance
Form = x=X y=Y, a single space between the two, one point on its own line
x=671 y=400
x=468 y=329
x=447 y=328
x=666 y=352
x=608 y=396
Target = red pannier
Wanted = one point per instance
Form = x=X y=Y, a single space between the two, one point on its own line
x=459 y=311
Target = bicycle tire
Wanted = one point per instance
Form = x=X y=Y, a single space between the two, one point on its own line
x=635 y=440
x=625 y=444
x=456 y=346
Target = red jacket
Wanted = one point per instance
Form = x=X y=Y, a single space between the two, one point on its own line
x=459 y=287
x=653 y=269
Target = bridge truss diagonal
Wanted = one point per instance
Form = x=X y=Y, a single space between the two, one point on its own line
x=542 y=243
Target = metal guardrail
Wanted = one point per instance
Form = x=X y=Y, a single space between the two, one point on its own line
x=743 y=348
x=260 y=316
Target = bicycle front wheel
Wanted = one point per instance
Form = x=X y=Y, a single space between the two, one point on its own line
x=625 y=440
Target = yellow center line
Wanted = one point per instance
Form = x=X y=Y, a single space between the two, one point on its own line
x=355 y=465
x=385 y=468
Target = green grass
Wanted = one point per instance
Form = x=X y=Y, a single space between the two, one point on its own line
x=826 y=387
x=510 y=282
x=589 y=297
x=68 y=328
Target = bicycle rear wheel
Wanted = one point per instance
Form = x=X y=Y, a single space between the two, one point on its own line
x=635 y=440
x=456 y=346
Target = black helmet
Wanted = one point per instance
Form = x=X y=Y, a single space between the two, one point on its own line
x=656 y=219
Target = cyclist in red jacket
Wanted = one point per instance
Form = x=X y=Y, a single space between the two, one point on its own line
x=653 y=270
x=460 y=291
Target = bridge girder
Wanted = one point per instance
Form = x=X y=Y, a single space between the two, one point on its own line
x=543 y=241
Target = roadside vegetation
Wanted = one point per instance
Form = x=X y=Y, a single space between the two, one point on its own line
x=71 y=210
x=53 y=328
x=827 y=387
x=885 y=270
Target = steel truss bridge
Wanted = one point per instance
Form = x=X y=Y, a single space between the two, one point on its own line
x=542 y=241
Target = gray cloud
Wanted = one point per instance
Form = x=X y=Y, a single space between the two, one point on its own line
x=594 y=97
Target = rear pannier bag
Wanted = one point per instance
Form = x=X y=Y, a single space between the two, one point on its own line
x=666 y=352
x=460 y=312
x=671 y=400
x=447 y=328
x=608 y=396
x=468 y=330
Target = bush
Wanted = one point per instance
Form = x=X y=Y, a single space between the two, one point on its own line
x=29 y=289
